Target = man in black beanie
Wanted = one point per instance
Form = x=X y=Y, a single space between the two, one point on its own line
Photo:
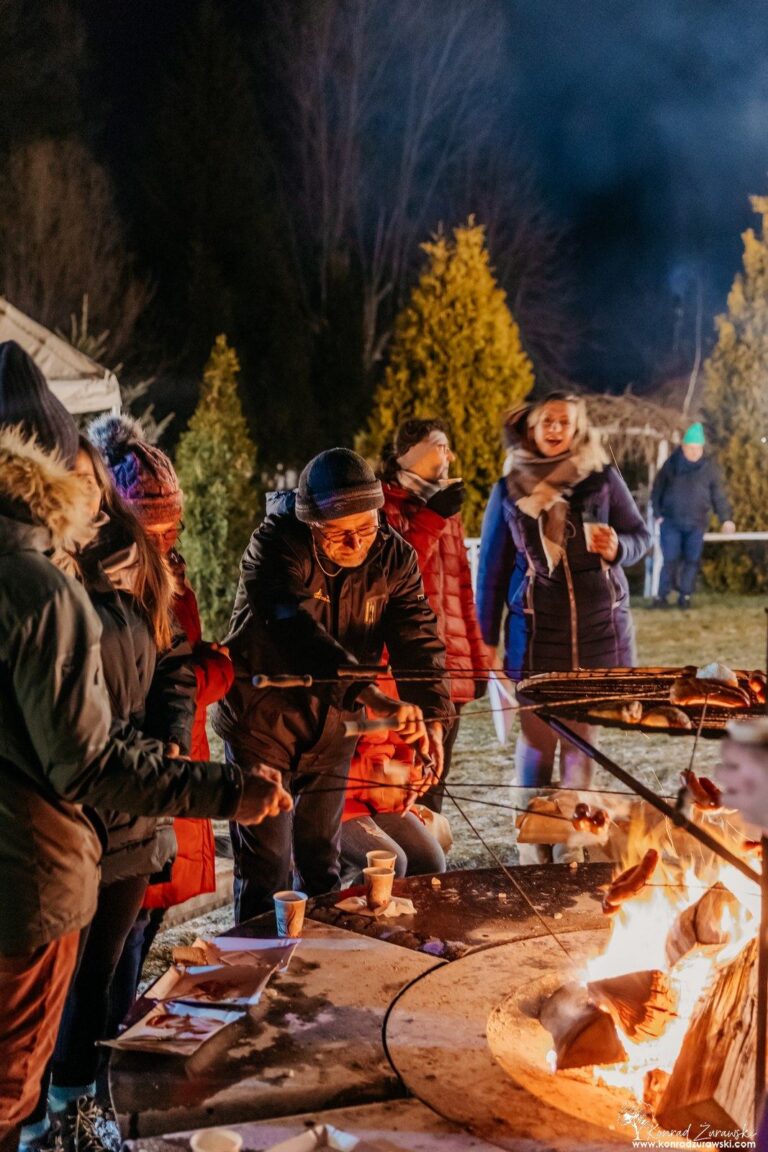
x=325 y=587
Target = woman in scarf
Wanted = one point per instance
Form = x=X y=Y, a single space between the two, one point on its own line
x=559 y=528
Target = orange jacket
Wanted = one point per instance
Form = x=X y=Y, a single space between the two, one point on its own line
x=194 y=869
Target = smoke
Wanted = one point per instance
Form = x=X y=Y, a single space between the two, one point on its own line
x=649 y=125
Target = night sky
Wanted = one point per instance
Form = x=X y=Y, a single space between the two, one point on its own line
x=644 y=122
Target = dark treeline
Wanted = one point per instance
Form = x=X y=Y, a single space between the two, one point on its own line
x=267 y=170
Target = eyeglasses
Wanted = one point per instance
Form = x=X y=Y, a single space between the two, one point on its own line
x=169 y=536
x=361 y=534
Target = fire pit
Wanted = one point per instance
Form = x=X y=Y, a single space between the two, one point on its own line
x=467 y=1041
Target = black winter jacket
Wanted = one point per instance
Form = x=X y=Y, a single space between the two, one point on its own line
x=291 y=616
x=154 y=694
x=685 y=492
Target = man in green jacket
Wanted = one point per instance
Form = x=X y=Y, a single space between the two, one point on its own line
x=56 y=748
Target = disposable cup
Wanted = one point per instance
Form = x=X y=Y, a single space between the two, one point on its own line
x=378 y=887
x=289 y=912
x=589 y=531
x=381 y=859
x=216 y=1140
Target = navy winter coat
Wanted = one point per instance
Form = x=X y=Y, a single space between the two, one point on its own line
x=685 y=492
x=579 y=616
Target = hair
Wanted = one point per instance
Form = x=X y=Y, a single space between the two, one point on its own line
x=561 y=397
x=154 y=586
x=409 y=433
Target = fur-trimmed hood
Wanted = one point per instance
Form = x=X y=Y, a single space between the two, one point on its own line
x=36 y=486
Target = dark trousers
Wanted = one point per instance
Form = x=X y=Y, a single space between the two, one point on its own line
x=681 y=549
x=301 y=847
x=76 y=1058
x=125 y=982
x=434 y=797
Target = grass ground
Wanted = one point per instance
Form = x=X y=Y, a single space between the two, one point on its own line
x=719 y=627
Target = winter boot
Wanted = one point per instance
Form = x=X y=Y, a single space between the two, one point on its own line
x=50 y=1140
x=90 y=1127
x=685 y=603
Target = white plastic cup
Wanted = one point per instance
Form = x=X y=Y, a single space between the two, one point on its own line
x=216 y=1140
x=380 y=858
x=589 y=531
x=290 y=907
x=378 y=887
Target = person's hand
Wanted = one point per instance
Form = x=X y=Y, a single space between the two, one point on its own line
x=481 y=687
x=407 y=719
x=727 y=527
x=263 y=796
x=604 y=542
x=172 y=751
x=436 y=749
x=449 y=500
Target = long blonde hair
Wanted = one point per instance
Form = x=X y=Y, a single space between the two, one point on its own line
x=153 y=590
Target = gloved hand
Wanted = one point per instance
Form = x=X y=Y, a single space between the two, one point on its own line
x=448 y=501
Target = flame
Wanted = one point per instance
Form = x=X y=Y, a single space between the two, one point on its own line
x=638 y=942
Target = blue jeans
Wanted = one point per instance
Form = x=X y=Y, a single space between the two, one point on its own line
x=537 y=747
x=681 y=549
x=298 y=848
x=417 y=851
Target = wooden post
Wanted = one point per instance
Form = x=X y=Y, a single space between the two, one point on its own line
x=712 y=1081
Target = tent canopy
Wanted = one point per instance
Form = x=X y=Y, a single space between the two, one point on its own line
x=81 y=384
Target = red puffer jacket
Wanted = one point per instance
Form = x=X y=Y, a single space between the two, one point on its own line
x=194 y=869
x=439 y=546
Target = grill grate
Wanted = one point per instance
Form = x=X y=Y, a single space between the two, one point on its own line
x=574 y=695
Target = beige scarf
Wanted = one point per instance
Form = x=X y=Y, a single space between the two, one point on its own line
x=541 y=487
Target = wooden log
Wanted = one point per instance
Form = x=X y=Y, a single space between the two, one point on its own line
x=703 y=924
x=713 y=1080
x=641 y=1003
x=584 y=1034
x=543 y=823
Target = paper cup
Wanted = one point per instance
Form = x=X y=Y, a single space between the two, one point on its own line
x=216 y=1140
x=289 y=912
x=381 y=859
x=378 y=887
x=589 y=529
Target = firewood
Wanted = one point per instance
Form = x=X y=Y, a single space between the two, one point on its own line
x=584 y=1034
x=702 y=924
x=713 y=1081
x=642 y=1003
x=543 y=823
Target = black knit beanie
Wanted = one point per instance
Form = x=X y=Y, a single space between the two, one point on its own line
x=337 y=483
x=26 y=399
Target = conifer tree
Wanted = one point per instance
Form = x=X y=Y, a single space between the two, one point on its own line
x=215 y=460
x=456 y=354
x=736 y=411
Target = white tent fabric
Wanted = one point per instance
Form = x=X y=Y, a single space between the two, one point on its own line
x=81 y=384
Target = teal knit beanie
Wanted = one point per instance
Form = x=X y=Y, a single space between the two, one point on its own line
x=694 y=434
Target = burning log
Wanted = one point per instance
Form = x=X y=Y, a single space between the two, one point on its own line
x=583 y=1033
x=702 y=924
x=714 y=1075
x=642 y=1003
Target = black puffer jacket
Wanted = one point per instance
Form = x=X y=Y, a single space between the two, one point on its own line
x=153 y=693
x=291 y=616
x=685 y=492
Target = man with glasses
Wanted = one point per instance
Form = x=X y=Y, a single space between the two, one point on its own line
x=325 y=586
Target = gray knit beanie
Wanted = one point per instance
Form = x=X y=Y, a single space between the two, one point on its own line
x=337 y=483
